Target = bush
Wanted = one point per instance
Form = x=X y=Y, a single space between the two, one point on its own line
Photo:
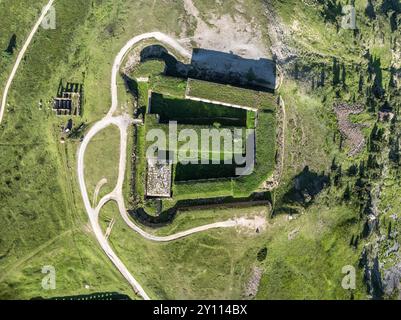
x=262 y=254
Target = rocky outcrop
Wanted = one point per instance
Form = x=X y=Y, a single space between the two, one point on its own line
x=349 y=130
x=252 y=286
x=392 y=280
x=372 y=275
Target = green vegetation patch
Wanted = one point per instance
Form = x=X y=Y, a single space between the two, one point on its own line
x=143 y=96
x=101 y=160
x=230 y=94
x=201 y=266
x=151 y=123
x=140 y=163
x=305 y=258
x=169 y=85
x=265 y=155
x=202 y=189
x=149 y=69
x=42 y=218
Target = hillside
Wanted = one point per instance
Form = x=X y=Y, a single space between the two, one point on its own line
x=336 y=199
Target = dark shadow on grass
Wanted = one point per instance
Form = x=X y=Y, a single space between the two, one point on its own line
x=132 y=87
x=12 y=45
x=195 y=112
x=306 y=186
x=218 y=67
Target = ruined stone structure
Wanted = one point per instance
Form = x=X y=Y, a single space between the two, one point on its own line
x=158 y=181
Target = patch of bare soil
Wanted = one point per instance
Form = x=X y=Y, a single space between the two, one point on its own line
x=87 y=228
x=252 y=286
x=349 y=130
x=257 y=224
x=292 y=235
x=396 y=54
x=228 y=33
x=279 y=36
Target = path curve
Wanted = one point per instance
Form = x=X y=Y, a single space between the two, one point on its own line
x=123 y=122
x=163 y=38
x=179 y=235
x=21 y=56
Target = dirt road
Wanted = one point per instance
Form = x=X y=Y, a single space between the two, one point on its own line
x=20 y=57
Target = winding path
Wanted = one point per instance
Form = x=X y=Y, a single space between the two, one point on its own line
x=117 y=195
x=21 y=56
x=159 y=36
x=122 y=122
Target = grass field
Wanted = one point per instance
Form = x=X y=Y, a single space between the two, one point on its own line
x=149 y=69
x=17 y=20
x=202 y=189
x=166 y=271
x=317 y=242
x=169 y=86
x=265 y=156
x=101 y=161
x=318 y=29
x=42 y=219
x=140 y=165
x=233 y=253
x=186 y=219
x=201 y=137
